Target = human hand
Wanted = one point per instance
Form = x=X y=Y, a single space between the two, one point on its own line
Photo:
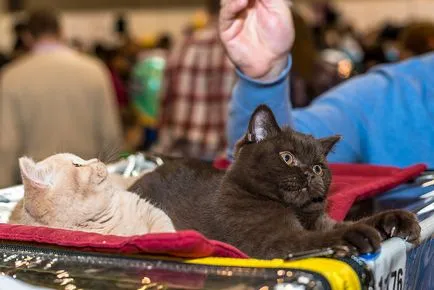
x=258 y=35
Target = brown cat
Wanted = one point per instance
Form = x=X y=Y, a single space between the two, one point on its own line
x=272 y=200
x=67 y=192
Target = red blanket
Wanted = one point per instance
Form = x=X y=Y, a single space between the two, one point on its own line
x=354 y=182
x=187 y=244
x=350 y=182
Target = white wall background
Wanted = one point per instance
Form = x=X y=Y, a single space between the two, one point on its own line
x=97 y=25
x=365 y=14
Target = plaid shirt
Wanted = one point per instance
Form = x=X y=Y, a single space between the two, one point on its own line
x=199 y=80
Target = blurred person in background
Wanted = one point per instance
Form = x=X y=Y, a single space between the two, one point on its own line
x=132 y=132
x=389 y=41
x=55 y=100
x=351 y=44
x=326 y=20
x=374 y=56
x=333 y=68
x=165 y=42
x=128 y=54
x=3 y=60
x=23 y=39
x=146 y=85
x=313 y=70
x=384 y=116
x=416 y=39
x=333 y=31
x=78 y=45
x=381 y=45
x=121 y=27
x=116 y=64
x=199 y=78
x=305 y=58
x=392 y=43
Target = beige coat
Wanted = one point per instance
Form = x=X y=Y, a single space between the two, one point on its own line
x=55 y=101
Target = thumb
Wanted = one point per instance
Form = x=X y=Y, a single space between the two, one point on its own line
x=230 y=9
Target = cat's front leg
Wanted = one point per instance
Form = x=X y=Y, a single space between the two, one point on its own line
x=325 y=223
x=358 y=238
x=396 y=223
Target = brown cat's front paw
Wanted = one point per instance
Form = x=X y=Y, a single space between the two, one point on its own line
x=362 y=238
x=397 y=223
x=343 y=251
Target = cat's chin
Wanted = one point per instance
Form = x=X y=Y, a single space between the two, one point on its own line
x=308 y=205
x=314 y=206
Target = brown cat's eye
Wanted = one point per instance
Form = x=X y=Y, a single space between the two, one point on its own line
x=287 y=157
x=317 y=169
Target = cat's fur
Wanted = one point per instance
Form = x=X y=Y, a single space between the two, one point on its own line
x=67 y=192
x=262 y=205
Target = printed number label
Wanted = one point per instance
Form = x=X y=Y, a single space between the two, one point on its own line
x=392 y=281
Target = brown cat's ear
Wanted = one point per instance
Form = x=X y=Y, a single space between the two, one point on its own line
x=34 y=178
x=329 y=143
x=262 y=125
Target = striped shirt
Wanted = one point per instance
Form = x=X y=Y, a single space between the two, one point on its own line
x=199 y=81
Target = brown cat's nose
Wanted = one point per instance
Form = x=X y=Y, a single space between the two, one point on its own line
x=308 y=175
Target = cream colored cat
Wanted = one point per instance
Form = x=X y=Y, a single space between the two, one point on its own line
x=65 y=191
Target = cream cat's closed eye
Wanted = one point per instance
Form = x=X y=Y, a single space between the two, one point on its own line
x=81 y=162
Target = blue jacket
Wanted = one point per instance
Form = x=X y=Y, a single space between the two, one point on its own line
x=385 y=116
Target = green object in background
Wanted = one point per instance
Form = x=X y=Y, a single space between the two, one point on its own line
x=125 y=154
x=146 y=89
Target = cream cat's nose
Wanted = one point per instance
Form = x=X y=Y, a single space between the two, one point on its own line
x=101 y=172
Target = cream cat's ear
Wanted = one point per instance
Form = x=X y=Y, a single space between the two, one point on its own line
x=33 y=176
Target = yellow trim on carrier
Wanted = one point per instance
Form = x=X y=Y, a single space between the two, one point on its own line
x=339 y=274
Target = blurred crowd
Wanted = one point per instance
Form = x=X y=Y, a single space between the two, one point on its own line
x=172 y=96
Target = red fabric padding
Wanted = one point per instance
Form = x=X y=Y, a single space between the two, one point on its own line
x=187 y=244
x=352 y=182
